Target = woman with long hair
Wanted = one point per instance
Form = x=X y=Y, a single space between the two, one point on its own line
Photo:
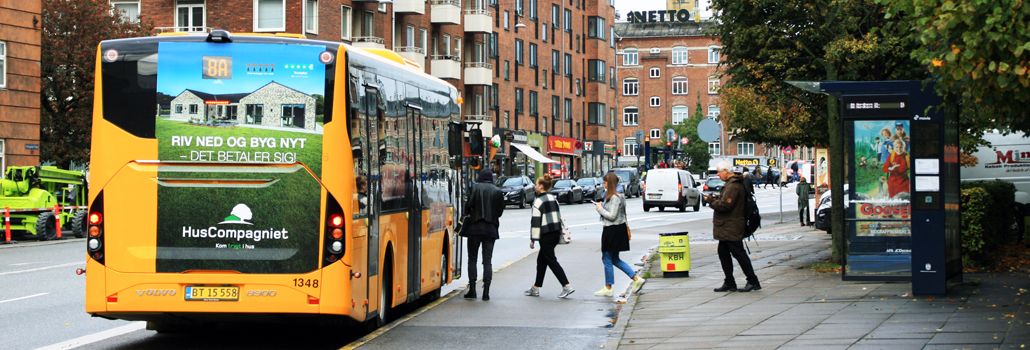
x=546 y=227
x=896 y=168
x=614 y=236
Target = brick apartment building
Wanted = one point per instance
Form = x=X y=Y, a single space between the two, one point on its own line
x=20 y=30
x=538 y=72
x=666 y=69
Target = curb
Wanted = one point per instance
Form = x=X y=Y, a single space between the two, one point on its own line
x=625 y=310
x=35 y=243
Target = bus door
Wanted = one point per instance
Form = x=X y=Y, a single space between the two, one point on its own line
x=373 y=126
x=413 y=184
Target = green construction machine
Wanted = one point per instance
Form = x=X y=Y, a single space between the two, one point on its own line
x=38 y=199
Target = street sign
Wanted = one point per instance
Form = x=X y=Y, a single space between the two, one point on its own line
x=708 y=130
x=670 y=135
x=772 y=162
x=788 y=150
x=640 y=137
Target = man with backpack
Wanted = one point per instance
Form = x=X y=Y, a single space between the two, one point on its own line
x=734 y=220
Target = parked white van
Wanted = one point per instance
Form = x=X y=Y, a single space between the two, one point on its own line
x=671 y=188
x=1007 y=159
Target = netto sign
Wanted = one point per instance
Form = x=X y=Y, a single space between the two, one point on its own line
x=659 y=16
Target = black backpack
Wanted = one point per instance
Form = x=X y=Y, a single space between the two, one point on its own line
x=752 y=218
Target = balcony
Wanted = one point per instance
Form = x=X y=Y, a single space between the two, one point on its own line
x=412 y=53
x=446 y=12
x=479 y=73
x=374 y=42
x=409 y=6
x=478 y=21
x=476 y=117
x=446 y=67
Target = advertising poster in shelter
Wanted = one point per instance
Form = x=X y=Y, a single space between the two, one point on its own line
x=882 y=183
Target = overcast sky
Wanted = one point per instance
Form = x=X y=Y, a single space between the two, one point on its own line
x=624 y=6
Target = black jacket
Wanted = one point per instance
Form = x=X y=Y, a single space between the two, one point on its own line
x=484 y=208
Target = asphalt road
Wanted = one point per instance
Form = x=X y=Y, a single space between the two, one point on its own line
x=41 y=301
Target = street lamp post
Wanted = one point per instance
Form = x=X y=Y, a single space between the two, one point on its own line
x=647 y=152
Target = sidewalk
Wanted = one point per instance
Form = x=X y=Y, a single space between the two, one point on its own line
x=798 y=308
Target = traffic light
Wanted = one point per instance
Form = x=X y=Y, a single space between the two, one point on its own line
x=668 y=143
x=454 y=139
x=476 y=142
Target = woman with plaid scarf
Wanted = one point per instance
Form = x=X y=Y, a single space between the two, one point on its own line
x=546 y=227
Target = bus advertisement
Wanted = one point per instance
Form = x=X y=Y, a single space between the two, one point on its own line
x=241 y=176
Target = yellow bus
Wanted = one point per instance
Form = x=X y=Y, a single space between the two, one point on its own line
x=238 y=176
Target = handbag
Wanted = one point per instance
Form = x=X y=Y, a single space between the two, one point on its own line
x=460 y=226
x=566 y=235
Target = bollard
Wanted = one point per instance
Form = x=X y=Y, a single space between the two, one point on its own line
x=57 y=219
x=7 y=226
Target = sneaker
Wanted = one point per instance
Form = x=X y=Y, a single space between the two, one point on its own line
x=566 y=291
x=637 y=283
x=533 y=292
x=604 y=292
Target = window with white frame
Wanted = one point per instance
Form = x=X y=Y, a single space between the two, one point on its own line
x=715 y=148
x=655 y=133
x=366 y=24
x=423 y=40
x=269 y=15
x=713 y=111
x=679 y=55
x=3 y=64
x=713 y=54
x=189 y=16
x=311 y=16
x=630 y=116
x=630 y=57
x=630 y=87
x=745 y=149
x=713 y=85
x=409 y=36
x=345 y=22
x=679 y=114
x=382 y=7
x=630 y=146
x=679 y=86
x=129 y=10
x=505 y=20
x=656 y=101
x=654 y=72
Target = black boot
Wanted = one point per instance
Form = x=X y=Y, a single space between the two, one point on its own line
x=750 y=286
x=727 y=286
x=486 y=291
x=471 y=294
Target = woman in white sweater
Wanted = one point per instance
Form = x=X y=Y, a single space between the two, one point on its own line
x=614 y=237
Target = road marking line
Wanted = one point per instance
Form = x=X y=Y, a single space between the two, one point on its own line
x=25 y=263
x=24 y=297
x=97 y=337
x=42 y=268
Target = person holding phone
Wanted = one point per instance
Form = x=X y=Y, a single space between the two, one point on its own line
x=614 y=236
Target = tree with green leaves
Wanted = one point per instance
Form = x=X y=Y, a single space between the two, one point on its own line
x=72 y=29
x=767 y=43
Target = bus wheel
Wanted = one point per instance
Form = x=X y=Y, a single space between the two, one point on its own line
x=46 y=228
x=385 y=294
x=79 y=224
x=436 y=294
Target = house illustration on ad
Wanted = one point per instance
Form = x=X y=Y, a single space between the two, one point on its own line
x=272 y=105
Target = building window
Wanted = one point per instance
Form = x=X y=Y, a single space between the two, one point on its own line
x=424 y=40
x=555 y=105
x=3 y=65
x=366 y=25
x=382 y=7
x=518 y=8
x=409 y=36
x=518 y=100
x=345 y=22
x=194 y=109
x=679 y=55
x=269 y=15
x=518 y=52
x=745 y=149
x=630 y=146
x=596 y=113
x=543 y=32
x=630 y=87
x=568 y=110
x=596 y=70
x=555 y=61
x=493 y=45
x=534 y=108
x=656 y=101
x=505 y=20
x=254 y=113
x=713 y=112
x=493 y=97
x=654 y=72
x=568 y=20
x=178 y=108
x=129 y=10
x=713 y=85
x=189 y=16
x=446 y=49
x=630 y=116
x=630 y=57
x=532 y=9
x=679 y=86
x=507 y=70
x=597 y=28
x=679 y=114
x=568 y=65
x=713 y=54
x=611 y=37
x=555 y=15
x=611 y=77
x=655 y=133
x=311 y=16
x=532 y=56
x=715 y=148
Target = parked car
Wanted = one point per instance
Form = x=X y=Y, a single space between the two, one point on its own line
x=711 y=186
x=822 y=210
x=629 y=181
x=567 y=191
x=592 y=188
x=518 y=190
x=671 y=188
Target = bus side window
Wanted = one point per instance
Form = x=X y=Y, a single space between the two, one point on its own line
x=359 y=149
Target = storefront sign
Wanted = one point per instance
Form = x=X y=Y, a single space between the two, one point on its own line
x=746 y=161
x=520 y=136
x=609 y=148
x=659 y=16
x=561 y=145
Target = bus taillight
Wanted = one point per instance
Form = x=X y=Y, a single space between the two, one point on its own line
x=336 y=220
x=334 y=244
x=95 y=241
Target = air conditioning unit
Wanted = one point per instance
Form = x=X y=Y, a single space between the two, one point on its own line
x=655 y=50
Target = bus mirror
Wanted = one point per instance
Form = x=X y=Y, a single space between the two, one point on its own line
x=454 y=135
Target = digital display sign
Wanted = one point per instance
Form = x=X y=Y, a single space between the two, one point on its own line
x=217 y=67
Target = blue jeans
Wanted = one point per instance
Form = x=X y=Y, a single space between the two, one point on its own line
x=612 y=258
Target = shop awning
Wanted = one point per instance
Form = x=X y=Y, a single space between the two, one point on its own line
x=532 y=153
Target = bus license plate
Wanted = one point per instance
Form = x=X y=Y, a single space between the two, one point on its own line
x=203 y=293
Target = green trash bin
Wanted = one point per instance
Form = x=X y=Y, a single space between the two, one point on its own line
x=674 y=250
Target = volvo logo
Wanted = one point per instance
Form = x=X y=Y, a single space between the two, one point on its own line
x=155 y=292
x=261 y=293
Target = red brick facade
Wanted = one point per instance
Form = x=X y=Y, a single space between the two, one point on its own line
x=20 y=31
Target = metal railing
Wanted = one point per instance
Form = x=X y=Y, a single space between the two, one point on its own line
x=486 y=65
x=484 y=12
x=367 y=39
x=414 y=49
x=476 y=117
x=446 y=57
x=446 y=2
